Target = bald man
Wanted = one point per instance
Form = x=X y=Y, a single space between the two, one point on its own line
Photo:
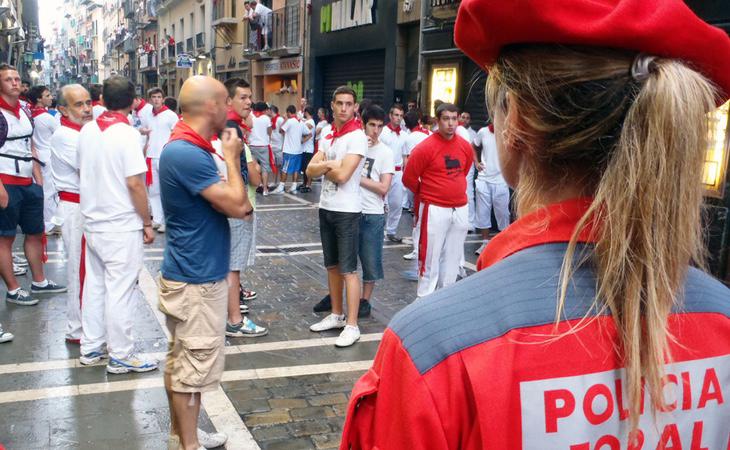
x=193 y=290
x=74 y=103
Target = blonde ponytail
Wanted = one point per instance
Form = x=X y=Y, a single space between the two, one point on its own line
x=638 y=147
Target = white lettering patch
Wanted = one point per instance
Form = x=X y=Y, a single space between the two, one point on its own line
x=589 y=412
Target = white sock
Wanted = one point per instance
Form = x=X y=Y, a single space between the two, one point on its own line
x=43 y=283
x=14 y=291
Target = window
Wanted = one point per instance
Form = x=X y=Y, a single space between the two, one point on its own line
x=716 y=159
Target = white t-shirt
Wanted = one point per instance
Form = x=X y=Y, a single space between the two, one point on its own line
x=413 y=139
x=492 y=172
x=106 y=159
x=308 y=130
x=378 y=161
x=277 y=140
x=17 y=127
x=160 y=125
x=464 y=133
x=292 y=136
x=259 y=136
x=45 y=125
x=343 y=197
x=97 y=110
x=65 y=159
x=394 y=142
x=319 y=129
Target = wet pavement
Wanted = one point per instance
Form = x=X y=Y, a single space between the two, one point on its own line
x=286 y=390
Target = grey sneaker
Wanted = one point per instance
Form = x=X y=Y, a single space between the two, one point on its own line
x=19 y=260
x=50 y=288
x=246 y=328
x=19 y=270
x=5 y=336
x=21 y=298
x=92 y=358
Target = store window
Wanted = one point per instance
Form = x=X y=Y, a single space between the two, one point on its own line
x=443 y=85
x=716 y=158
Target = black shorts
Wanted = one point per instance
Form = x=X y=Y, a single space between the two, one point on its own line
x=340 y=232
x=25 y=208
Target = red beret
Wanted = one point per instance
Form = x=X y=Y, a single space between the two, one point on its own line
x=666 y=28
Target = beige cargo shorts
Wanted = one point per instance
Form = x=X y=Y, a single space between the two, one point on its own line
x=196 y=318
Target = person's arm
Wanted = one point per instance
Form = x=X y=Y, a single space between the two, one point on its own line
x=416 y=164
x=379 y=187
x=254 y=169
x=345 y=169
x=318 y=166
x=230 y=197
x=138 y=195
x=37 y=174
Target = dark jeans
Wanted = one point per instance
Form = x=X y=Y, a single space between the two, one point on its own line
x=25 y=208
x=340 y=238
x=371 y=246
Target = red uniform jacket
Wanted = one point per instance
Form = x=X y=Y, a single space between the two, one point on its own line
x=481 y=365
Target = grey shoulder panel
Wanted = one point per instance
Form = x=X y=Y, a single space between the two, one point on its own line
x=520 y=291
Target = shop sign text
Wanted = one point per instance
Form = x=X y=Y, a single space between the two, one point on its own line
x=344 y=14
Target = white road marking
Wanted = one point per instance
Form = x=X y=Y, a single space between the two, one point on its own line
x=470 y=266
x=158 y=382
x=297 y=199
x=61 y=364
x=293 y=208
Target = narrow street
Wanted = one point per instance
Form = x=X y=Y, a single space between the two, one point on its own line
x=287 y=390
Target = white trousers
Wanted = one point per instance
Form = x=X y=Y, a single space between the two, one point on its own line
x=395 y=203
x=50 y=199
x=158 y=215
x=492 y=195
x=445 y=233
x=407 y=198
x=72 y=232
x=113 y=262
x=470 y=195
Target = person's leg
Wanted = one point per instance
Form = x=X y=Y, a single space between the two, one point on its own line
x=50 y=198
x=33 y=248
x=6 y=262
x=470 y=196
x=347 y=230
x=158 y=215
x=436 y=225
x=367 y=290
x=335 y=284
x=122 y=256
x=395 y=202
x=483 y=212
x=234 y=303
x=454 y=233
x=186 y=408
x=93 y=324
x=500 y=199
x=371 y=251
x=72 y=235
x=30 y=220
x=352 y=290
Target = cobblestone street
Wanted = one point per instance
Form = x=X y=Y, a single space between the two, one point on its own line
x=287 y=390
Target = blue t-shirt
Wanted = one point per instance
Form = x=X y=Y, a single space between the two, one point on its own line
x=198 y=237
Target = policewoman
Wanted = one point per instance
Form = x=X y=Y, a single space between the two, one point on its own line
x=590 y=324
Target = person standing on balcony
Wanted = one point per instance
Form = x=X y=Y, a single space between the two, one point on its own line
x=261 y=15
x=161 y=122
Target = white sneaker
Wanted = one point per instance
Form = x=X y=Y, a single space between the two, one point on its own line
x=293 y=189
x=329 y=323
x=481 y=249
x=410 y=256
x=266 y=193
x=349 y=336
x=279 y=189
x=211 y=440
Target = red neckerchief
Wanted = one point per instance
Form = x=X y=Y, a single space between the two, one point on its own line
x=393 y=128
x=258 y=113
x=109 y=118
x=551 y=224
x=68 y=123
x=96 y=103
x=491 y=128
x=162 y=108
x=37 y=111
x=353 y=125
x=421 y=129
x=15 y=110
x=273 y=121
x=183 y=132
x=141 y=105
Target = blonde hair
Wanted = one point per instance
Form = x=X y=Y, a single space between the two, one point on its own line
x=636 y=147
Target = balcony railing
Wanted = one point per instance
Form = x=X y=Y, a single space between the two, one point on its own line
x=129 y=46
x=287 y=28
x=189 y=45
x=148 y=60
x=437 y=3
x=128 y=8
x=200 y=41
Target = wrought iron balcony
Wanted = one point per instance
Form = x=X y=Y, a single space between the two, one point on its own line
x=287 y=31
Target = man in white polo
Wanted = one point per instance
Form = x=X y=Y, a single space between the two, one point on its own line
x=394 y=138
x=160 y=122
x=74 y=103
